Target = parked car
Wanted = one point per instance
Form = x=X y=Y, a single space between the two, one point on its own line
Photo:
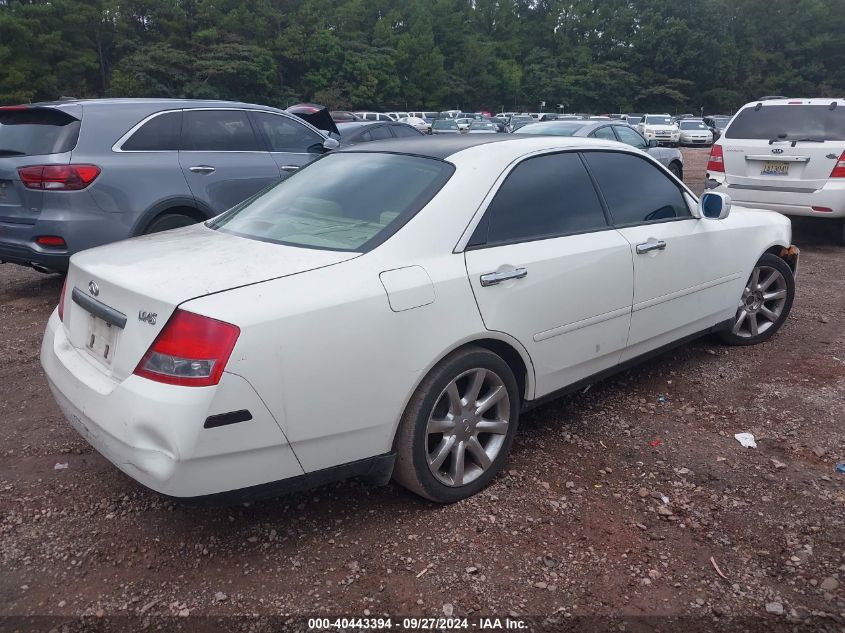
x=445 y=261
x=634 y=119
x=464 y=123
x=694 y=132
x=716 y=123
x=661 y=128
x=483 y=127
x=445 y=126
x=395 y=116
x=785 y=155
x=342 y=116
x=373 y=116
x=517 y=122
x=672 y=158
x=366 y=131
x=79 y=173
x=418 y=123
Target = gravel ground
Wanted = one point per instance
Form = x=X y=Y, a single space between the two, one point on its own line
x=631 y=499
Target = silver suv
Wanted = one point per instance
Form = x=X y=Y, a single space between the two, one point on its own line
x=79 y=173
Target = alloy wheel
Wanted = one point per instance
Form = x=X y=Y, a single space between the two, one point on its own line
x=467 y=427
x=762 y=302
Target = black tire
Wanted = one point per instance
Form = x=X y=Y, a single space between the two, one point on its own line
x=413 y=443
x=676 y=170
x=169 y=221
x=842 y=232
x=767 y=262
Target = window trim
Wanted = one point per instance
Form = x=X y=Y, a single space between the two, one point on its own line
x=638 y=154
x=485 y=215
x=117 y=147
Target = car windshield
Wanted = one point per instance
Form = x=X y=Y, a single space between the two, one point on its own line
x=720 y=122
x=444 y=124
x=634 y=119
x=482 y=125
x=658 y=120
x=342 y=202
x=790 y=122
x=552 y=128
x=693 y=125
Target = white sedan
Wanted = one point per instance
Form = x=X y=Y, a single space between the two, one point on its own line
x=418 y=123
x=390 y=311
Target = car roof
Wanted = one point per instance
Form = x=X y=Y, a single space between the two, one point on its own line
x=153 y=102
x=443 y=147
x=839 y=101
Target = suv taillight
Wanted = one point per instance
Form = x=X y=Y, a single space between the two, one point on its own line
x=839 y=168
x=717 y=160
x=191 y=350
x=58 y=177
x=62 y=301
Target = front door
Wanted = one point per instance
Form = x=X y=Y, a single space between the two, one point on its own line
x=546 y=268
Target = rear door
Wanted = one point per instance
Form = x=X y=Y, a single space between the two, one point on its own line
x=223 y=159
x=31 y=136
x=291 y=143
x=547 y=269
x=784 y=146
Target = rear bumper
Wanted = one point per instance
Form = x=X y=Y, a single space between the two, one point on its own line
x=76 y=219
x=802 y=203
x=155 y=433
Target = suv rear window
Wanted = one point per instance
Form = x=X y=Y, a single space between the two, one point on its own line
x=342 y=202
x=789 y=122
x=37 y=131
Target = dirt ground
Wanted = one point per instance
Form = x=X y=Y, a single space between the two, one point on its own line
x=622 y=507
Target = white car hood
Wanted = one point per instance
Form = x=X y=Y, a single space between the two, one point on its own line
x=183 y=264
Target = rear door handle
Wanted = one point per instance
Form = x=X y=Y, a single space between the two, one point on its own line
x=290 y=168
x=202 y=169
x=491 y=279
x=651 y=245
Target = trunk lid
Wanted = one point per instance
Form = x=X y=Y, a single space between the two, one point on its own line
x=145 y=279
x=32 y=135
x=790 y=145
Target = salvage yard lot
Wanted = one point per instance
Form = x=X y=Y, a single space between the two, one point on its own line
x=619 y=501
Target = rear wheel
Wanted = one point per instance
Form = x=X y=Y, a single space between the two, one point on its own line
x=765 y=302
x=458 y=428
x=675 y=168
x=842 y=232
x=169 y=221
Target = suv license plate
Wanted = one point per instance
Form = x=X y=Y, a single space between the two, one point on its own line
x=775 y=168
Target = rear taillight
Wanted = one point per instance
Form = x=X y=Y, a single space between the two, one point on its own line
x=191 y=350
x=717 y=160
x=839 y=168
x=58 y=177
x=51 y=240
x=62 y=301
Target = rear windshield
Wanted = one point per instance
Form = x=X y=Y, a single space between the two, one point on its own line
x=789 y=122
x=552 y=129
x=445 y=124
x=342 y=202
x=37 y=131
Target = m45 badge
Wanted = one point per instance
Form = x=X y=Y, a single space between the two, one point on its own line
x=147 y=317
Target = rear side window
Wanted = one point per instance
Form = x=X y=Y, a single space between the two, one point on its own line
x=380 y=133
x=37 y=131
x=630 y=137
x=542 y=197
x=285 y=134
x=636 y=191
x=605 y=133
x=218 y=131
x=405 y=131
x=161 y=133
x=789 y=122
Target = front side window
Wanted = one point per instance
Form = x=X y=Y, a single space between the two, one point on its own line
x=343 y=202
x=605 y=133
x=285 y=134
x=404 y=131
x=636 y=191
x=542 y=197
x=630 y=137
x=218 y=131
x=161 y=133
x=789 y=123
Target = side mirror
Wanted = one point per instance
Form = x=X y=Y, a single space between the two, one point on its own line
x=330 y=143
x=653 y=143
x=714 y=206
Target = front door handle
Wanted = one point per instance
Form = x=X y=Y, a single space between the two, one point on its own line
x=491 y=279
x=202 y=169
x=651 y=245
x=290 y=168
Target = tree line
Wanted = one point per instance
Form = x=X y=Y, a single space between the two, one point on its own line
x=575 y=55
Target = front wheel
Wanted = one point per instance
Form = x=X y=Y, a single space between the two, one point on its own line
x=765 y=302
x=459 y=426
x=676 y=171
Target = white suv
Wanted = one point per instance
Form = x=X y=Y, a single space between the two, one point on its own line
x=786 y=155
x=661 y=128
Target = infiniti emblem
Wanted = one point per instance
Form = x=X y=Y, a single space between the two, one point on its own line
x=93 y=288
x=777 y=150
